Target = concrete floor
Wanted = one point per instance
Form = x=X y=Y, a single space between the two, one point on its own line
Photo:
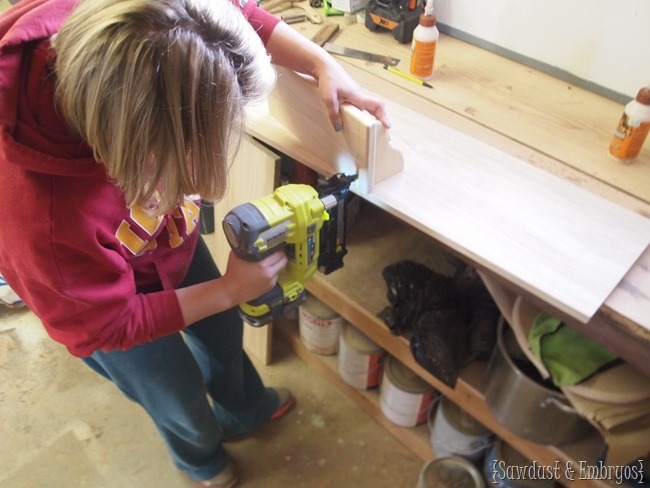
x=62 y=425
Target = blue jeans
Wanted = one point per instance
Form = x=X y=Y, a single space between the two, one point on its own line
x=199 y=387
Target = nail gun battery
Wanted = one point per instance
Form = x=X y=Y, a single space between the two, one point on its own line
x=401 y=17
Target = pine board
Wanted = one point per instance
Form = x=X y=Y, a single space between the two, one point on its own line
x=363 y=146
x=554 y=239
x=252 y=158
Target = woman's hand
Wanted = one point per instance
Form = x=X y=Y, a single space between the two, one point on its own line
x=242 y=282
x=247 y=280
x=336 y=86
x=292 y=50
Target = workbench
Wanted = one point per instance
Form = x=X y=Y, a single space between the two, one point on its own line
x=560 y=128
x=545 y=122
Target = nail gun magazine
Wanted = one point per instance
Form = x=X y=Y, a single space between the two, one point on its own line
x=308 y=223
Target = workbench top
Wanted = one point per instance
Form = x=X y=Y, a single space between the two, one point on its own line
x=568 y=124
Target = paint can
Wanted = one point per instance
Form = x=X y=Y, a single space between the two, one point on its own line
x=319 y=326
x=360 y=360
x=454 y=432
x=450 y=472
x=404 y=398
x=498 y=469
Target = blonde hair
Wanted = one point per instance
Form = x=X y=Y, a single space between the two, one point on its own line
x=158 y=88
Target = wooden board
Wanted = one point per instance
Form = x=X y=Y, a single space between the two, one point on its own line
x=559 y=242
x=362 y=145
x=629 y=303
x=632 y=300
x=252 y=159
x=552 y=238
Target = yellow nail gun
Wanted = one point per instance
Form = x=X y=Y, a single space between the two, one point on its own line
x=308 y=223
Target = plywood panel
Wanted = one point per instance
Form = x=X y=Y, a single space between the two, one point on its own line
x=550 y=237
x=556 y=240
x=252 y=159
x=631 y=300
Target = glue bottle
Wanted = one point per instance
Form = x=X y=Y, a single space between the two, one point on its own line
x=633 y=128
x=423 y=47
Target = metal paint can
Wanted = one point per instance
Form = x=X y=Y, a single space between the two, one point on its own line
x=456 y=433
x=360 y=361
x=404 y=398
x=500 y=460
x=450 y=472
x=319 y=326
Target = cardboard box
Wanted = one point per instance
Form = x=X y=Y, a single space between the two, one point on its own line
x=348 y=5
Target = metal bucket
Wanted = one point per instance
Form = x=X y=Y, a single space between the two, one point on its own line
x=450 y=472
x=523 y=404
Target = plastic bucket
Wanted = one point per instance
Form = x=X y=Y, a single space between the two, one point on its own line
x=360 y=360
x=319 y=326
x=404 y=398
x=456 y=433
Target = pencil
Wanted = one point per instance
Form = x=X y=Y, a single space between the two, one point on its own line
x=407 y=76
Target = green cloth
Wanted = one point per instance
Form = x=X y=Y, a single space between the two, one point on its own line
x=568 y=355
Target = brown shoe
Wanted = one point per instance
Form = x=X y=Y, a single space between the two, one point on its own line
x=226 y=479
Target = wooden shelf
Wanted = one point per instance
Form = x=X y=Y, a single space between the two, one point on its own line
x=358 y=292
x=416 y=439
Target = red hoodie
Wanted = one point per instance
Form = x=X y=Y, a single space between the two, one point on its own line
x=98 y=275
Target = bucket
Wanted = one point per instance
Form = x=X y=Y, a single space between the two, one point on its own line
x=404 y=398
x=454 y=432
x=450 y=472
x=319 y=326
x=360 y=360
x=498 y=468
x=523 y=403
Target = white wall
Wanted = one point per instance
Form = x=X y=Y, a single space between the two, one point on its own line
x=605 y=42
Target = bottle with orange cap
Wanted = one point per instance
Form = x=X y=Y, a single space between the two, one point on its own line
x=632 y=128
x=425 y=40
